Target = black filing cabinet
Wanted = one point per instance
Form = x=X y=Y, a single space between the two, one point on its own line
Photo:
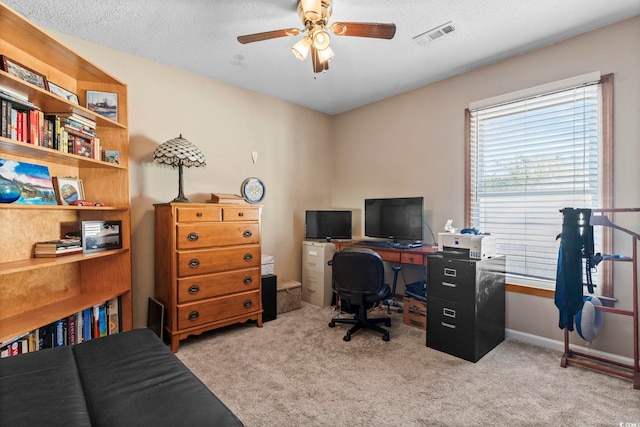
x=465 y=305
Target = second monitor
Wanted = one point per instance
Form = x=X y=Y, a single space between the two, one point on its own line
x=399 y=219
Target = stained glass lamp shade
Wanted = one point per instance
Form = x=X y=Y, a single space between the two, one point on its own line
x=179 y=152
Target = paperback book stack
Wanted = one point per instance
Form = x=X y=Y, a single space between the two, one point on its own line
x=55 y=248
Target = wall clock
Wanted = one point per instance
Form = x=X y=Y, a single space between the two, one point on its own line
x=252 y=190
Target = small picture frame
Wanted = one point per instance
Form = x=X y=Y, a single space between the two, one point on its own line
x=63 y=93
x=112 y=156
x=68 y=189
x=23 y=72
x=101 y=235
x=103 y=103
x=85 y=150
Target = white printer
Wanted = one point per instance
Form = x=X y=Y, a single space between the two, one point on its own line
x=478 y=246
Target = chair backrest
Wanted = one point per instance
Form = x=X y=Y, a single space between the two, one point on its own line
x=357 y=272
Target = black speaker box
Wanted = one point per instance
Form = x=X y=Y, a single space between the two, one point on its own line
x=269 y=297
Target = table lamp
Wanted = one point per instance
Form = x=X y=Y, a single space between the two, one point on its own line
x=179 y=152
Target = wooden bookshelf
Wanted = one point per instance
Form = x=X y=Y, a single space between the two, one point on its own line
x=38 y=291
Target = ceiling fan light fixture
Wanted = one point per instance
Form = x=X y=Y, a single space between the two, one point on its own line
x=301 y=48
x=312 y=9
x=325 y=54
x=321 y=39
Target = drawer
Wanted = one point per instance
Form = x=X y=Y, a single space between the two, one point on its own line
x=199 y=214
x=452 y=280
x=218 y=260
x=212 y=310
x=193 y=236
x=215 y=285
x=314 y=282
x=313 y=260
x=241 y=213
x=411 y=258
x=450 y=328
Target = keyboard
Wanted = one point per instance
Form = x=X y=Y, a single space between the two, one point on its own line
x=387 y=244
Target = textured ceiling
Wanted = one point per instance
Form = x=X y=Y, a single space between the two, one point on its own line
x=200 y=36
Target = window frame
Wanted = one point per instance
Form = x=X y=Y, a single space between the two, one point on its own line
x=606 y=271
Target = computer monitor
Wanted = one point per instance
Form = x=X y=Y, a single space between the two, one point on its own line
x=327 y=225
x=394 y=218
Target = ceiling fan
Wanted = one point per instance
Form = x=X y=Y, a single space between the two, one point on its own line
x=315 y=15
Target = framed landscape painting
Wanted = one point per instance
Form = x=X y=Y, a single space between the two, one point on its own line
x=25 y=183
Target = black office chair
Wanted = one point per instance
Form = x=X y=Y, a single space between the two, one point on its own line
x=358 y=279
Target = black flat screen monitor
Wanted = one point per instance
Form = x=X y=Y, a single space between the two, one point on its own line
x=396 y=218
x=327 y=225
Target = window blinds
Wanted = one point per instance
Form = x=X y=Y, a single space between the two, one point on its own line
x=529 y=159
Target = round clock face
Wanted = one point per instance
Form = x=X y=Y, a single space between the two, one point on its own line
x=252 y=190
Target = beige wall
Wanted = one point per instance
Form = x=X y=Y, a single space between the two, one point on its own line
x=408 y=145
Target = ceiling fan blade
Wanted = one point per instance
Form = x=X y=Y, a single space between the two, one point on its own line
x=364 y=29
x=257 y=37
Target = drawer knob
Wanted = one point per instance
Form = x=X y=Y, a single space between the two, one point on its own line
x=247 y=280
x=199 y=214
x=193 y=237
x=194 y=263
x=194 y=289
x=248 y=257
x=194 y=315
x=247 y=233
x=247 y=303
x=240 y=213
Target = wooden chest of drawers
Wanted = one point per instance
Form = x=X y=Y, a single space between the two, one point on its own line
x=207 y=266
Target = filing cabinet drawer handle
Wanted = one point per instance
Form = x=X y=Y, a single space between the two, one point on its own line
x=193 y=237
x=451 y=272
x=449 y=312
x=248 y=257
x=451 y=285
x=247 y=303
x=194 y=315
x=247 y=280
x=194 y=289
x=247 y=234
x=194 y=263
x=199 y=214
x=448 y=325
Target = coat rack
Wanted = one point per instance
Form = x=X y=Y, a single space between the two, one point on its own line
x=580 y=358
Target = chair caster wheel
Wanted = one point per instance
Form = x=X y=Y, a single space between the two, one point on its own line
x=347 y=337
x=385 y=337
x=332 y=324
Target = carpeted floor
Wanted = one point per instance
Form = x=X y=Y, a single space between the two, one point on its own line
x=296 y=371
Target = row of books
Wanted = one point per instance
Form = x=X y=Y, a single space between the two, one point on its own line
x=23 y=121
x=56 y=248
x=93 y=322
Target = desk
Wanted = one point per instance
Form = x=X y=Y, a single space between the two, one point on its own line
x=416 y=256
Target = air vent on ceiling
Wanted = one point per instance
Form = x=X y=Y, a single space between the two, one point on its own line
x=434 y=33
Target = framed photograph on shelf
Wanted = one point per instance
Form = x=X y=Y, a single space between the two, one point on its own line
x=103 y=103
x=101 y=235
x=68 y=189
x=63 y=93
x=112 y=156
x=22 y=72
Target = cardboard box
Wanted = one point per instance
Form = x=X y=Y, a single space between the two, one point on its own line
x=289 y=296
x=414 y=313
x=267 y=264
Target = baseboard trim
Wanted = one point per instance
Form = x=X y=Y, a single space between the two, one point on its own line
x=559 y=346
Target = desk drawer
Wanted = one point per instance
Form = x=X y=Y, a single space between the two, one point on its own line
x=411 y=258
x=215 y=285
x=193 y=236
x=215 y=309
x=192 y=263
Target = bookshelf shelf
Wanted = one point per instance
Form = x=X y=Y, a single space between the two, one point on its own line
x=38 y=291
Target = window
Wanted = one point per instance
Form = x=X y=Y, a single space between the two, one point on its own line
x=528 y=158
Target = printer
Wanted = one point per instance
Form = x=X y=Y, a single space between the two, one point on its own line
x=474 y=246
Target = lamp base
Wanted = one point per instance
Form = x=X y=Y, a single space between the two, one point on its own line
x=180 y=200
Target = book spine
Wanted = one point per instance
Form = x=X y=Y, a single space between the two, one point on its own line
x=113 y=313
x=45 y=336
x=86 y=324
x=3 y=119
x=104 y=326
x=71 y=330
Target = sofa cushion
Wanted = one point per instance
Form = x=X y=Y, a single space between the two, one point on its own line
x=133 y=379
x=42 y=389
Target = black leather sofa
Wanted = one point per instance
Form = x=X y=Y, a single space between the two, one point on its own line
x=128 y=379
